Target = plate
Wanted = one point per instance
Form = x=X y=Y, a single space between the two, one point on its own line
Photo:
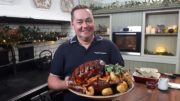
x=110 y=97
x=174 y=85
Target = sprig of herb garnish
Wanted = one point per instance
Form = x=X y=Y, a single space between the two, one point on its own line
x=109 y=68
x=117 y=69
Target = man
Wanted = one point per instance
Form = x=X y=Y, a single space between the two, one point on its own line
x=84 y=46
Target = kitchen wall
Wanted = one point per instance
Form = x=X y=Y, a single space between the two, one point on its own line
x=121 y=18
x=28 y=9
x=162 y=67
x=40 y=46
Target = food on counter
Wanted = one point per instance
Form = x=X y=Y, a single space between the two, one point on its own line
x=147 y=72
x=97 y=78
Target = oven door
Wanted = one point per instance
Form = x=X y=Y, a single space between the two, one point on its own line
x=129 y=43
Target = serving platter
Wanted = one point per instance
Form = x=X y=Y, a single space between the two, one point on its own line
x=98 y=97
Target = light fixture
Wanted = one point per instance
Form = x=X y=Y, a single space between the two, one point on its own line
x=160 y=49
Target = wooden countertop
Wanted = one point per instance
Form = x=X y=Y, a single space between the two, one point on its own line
x=142 y=93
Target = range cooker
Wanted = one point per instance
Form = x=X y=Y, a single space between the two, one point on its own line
x=27 y=84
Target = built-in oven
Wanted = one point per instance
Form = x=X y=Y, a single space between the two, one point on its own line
x=129 y=43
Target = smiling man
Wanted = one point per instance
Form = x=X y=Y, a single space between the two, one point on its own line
x=84 y=46
x=83 y=23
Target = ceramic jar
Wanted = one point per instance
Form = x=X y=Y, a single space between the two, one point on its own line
x=163 y=83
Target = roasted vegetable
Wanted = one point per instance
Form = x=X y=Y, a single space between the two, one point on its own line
x=107 y=91
x=122 y=87
x=113 y=76
x=90 y=90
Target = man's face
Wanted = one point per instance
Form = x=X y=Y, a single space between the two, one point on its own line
x=83 y=23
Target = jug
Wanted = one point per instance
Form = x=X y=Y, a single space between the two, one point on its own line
x=163 y=83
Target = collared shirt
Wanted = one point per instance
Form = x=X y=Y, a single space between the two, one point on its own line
x=71 y=54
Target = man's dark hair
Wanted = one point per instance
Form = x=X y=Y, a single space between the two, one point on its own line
x=78 y=7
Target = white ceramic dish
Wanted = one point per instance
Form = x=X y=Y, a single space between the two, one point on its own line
x=147 y=74
x=154 y=75
x=102 y=97
x=174 y=85
x=148 y=70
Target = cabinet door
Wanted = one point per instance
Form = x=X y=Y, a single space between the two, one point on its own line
x=161 y=31
x=123 y=20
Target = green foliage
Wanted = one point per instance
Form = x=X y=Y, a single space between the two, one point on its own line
x=28 y=34
x=117 y=69
x=24 y=34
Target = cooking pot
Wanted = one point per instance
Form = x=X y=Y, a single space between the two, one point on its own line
x=44 y=61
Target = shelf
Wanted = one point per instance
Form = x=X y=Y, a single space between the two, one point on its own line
x=161 y=42
x=30 y=20
x=106 y=36
x=103 y=25
x=152 y=58
x=30 y=92
x=162 y=34
x=160 y=54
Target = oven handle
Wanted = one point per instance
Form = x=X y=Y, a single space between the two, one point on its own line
x=125 y=33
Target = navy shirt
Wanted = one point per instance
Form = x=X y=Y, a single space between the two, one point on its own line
x=71 y=54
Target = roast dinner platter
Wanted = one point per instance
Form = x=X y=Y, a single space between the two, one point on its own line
x=97 y=80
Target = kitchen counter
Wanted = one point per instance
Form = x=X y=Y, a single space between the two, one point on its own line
x=22 y=96
x=28 y=76
x=142 y=93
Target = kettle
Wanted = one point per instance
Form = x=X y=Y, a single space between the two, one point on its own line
x=44 y=59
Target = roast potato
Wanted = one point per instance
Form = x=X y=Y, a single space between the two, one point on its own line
x=122 y=87
x=107 y=91
x=90 y=91
x=113 y=76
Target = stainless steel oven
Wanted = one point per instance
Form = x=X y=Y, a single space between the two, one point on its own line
x=129 y=43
